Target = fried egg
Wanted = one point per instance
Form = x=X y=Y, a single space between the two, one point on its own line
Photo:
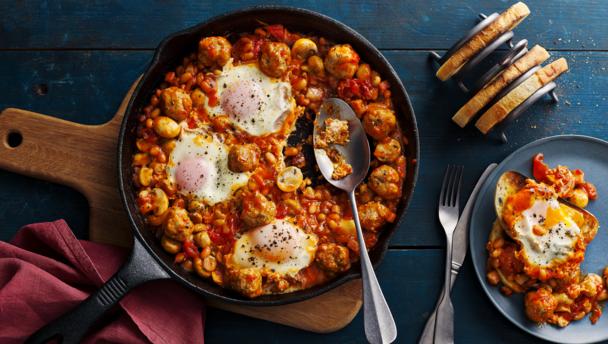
x=253 y=101
x=546 y=232
x=198 y=166
x=549 y=231
x=280 y=247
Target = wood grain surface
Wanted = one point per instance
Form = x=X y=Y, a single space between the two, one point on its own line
x=63 y=58
x=428 y=24
x=84 y=158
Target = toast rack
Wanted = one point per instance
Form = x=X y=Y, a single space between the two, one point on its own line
x=514 y=52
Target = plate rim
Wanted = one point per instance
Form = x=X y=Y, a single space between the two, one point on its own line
x=505 y=161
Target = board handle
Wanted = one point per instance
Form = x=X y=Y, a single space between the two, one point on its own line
x=80 y=156
x=72 y=326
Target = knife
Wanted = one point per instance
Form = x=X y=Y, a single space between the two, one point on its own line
x=459 y=250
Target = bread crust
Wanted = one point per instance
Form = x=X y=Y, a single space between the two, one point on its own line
x=513 y=99
x=506 y=21
x=534 y=57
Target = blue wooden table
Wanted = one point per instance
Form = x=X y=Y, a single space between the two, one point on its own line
x=75 y=60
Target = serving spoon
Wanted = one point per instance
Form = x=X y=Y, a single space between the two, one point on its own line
x=379 y=324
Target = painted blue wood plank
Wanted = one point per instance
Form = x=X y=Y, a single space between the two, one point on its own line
x=411 y=281
x=25 y=200
x=405 y=24
x=87 y=87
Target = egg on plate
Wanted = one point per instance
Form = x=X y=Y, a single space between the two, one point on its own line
x=551 y=233
x=253 y=101
x=279 y=247
x=198 y=166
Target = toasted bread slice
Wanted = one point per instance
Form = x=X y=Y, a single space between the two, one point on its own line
x=506 y=21
x=513 y=99
x=534 y=57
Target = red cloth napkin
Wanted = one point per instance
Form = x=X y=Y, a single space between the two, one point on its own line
x=45 y=271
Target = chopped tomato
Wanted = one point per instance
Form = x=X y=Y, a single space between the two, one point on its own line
x=591 y=190
x=278 y=32
x=191 y=123
x=281 y=210
x=190 y=249
x=539 y=168
x=356 y=88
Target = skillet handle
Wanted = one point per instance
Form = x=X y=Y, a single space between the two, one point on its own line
x=72 y=326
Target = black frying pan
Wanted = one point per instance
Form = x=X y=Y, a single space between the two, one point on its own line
x=148 y=261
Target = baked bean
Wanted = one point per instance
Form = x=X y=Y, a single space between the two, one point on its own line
x=187 y=265
x=316 y=66
x=200 y=270
x=170 y=245
x=141 y=159
x=198 y=98
x=364 y=72
x=145 y=176
x=579 y=198
x=493 y=277
x=209 y=263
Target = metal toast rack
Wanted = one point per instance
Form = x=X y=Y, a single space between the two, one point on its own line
x=514 y=52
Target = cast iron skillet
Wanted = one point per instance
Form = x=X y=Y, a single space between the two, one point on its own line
x=148 y=261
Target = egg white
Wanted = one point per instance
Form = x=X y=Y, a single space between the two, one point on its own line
x=555 y=245
x=221 y=182
x=254 y=102
x=280 y=247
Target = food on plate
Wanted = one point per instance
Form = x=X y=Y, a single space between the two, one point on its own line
x=220 y=187
x=569 y=184
x=538 y=242
x=499 y=111
x=506 y=21
x=534 y=57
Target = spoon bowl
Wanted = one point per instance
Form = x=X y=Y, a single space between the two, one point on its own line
x=356 y=152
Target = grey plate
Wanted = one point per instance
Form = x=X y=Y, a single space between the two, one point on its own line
x=590 y=155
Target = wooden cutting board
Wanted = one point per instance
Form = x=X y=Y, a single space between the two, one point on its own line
x=84 y=158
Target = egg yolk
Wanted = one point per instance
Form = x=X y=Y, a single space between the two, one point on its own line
x=274 y=242
x=242 y=100
x=192 y=174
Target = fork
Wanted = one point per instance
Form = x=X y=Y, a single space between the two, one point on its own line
x=448 y=216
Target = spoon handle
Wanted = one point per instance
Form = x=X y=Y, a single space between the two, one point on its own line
x=379 y=323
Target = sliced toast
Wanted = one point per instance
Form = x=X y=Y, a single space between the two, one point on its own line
x=513 y=99
x=506 y=21
x=534 y=57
